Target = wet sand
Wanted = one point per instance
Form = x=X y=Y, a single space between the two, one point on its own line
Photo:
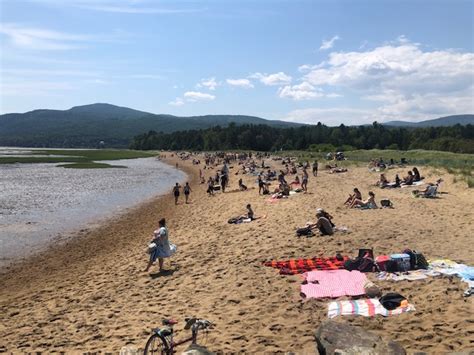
x=91 y=294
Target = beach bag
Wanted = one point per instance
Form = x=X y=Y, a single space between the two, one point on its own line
x=392 y=300
x=151 y=248
x=360 y=264
x=305 y=231
x=402 y=261
x=386 y=203
x=417 y=260
x=381 y=262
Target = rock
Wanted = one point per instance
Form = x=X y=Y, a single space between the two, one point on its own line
x=344 y=339
x=195 y=349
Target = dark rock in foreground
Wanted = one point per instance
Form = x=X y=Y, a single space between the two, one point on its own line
x=340 y=338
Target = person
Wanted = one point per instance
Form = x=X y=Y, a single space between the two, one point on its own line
x=262 y=186
x=383 y=182
x=304 y=183
x=160 y=246
x=224 y=180
x=242 y=187
x=210 y=186
x=187 y=190
x=408 y=180
x=176 y=165
x=326 y=215
x=315 y=168
x=323 y=224
x=368 y=204
x=398 y=181
x=176 y=193
x=250 y=213
x=416 y=175
x=355 y=196
x=296 y=181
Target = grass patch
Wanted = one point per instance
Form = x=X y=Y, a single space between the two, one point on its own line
x=91 y=165
x=76 y=156
x=470 y=182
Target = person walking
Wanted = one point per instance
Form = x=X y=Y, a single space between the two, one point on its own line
x=160 y=247
x=187 y=190
x=176 y=193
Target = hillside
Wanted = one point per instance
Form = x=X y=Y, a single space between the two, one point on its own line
x=438 y=122
x=86 y=126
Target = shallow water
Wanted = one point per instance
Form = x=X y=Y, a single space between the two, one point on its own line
x=38 y=202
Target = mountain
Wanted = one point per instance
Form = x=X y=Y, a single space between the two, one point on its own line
x=438 y=122
x=86 y=126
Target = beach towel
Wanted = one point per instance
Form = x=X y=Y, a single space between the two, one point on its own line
x=333 y=283
x=449 y=267
x=412 y=275
x=416 y=183
x=368 y=307
x=299 y=266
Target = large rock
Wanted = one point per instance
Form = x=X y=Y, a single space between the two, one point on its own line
x=195 y=349
x=344 y=339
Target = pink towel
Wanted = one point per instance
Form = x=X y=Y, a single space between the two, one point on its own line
x=333 y=283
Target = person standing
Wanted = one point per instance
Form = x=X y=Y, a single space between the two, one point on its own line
x=176 y=193
x=315 y=168
x=160 y=246
x=187 y=190
x=304 y=182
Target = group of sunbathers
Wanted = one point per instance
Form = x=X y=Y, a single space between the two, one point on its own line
x=412 y=177
x=355 y=200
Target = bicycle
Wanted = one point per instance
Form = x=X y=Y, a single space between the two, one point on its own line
x=161 y=341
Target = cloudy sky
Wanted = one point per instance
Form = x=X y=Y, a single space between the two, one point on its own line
x=332 y=61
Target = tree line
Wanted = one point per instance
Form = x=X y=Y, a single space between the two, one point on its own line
x=457 y=138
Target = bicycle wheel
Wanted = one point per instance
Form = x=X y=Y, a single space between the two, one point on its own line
x=155 y=345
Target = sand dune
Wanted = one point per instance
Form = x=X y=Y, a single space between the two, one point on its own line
x=91 y=294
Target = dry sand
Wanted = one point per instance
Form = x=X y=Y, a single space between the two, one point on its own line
x=92 y=294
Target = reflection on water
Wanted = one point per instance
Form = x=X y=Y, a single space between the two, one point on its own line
x=39 y=201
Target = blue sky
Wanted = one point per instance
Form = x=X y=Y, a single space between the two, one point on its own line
x=305 y=61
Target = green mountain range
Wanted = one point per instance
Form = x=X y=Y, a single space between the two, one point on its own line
x=86 y=126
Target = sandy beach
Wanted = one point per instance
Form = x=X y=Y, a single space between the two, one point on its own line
x=91 y=294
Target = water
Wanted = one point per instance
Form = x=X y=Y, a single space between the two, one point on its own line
x=38 y=202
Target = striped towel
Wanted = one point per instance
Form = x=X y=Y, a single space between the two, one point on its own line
x=333 y=283
x=299 y=266
x=364 y=307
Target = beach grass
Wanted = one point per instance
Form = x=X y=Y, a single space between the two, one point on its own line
x=89 y=165
x=80 y=159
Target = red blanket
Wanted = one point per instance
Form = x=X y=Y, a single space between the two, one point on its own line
x=299 y=266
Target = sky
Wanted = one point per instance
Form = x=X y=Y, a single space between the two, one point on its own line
x=329 y=61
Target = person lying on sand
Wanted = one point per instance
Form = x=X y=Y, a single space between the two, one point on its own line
x=338 y=170
x=160 y=246
x=355 y=196
x=367 y=204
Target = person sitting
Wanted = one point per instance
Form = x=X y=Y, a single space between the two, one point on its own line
x=398 y=181
x=296 y=181
x=367 y=204
x=323 y=224
x=326 y=215
x=408 y=180
x=242 y=187
x=356 y=195
x=383 y=182
x=416 y=175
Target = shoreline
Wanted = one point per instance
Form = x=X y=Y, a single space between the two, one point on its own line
x=93 y=295
x=77 y=241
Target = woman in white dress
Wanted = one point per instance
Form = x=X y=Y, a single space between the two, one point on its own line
x=160 y=247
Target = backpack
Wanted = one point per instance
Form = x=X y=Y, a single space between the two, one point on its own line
x=386 y=203
x=305 y=231
x=417 y=260
x=360 y=264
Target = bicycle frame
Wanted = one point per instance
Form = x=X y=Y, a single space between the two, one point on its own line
x=173 y=344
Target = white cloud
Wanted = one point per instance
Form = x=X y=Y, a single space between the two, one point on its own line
x=303 y=91
x=279 y=78
x=40 y=39
x=406 y=81
x=194 y=96
x=243 y=83
x=210 y=83
x=176 y=102
x=328 y=44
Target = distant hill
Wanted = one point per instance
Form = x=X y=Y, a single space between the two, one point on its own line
x=86 y=126
x=438 y=122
